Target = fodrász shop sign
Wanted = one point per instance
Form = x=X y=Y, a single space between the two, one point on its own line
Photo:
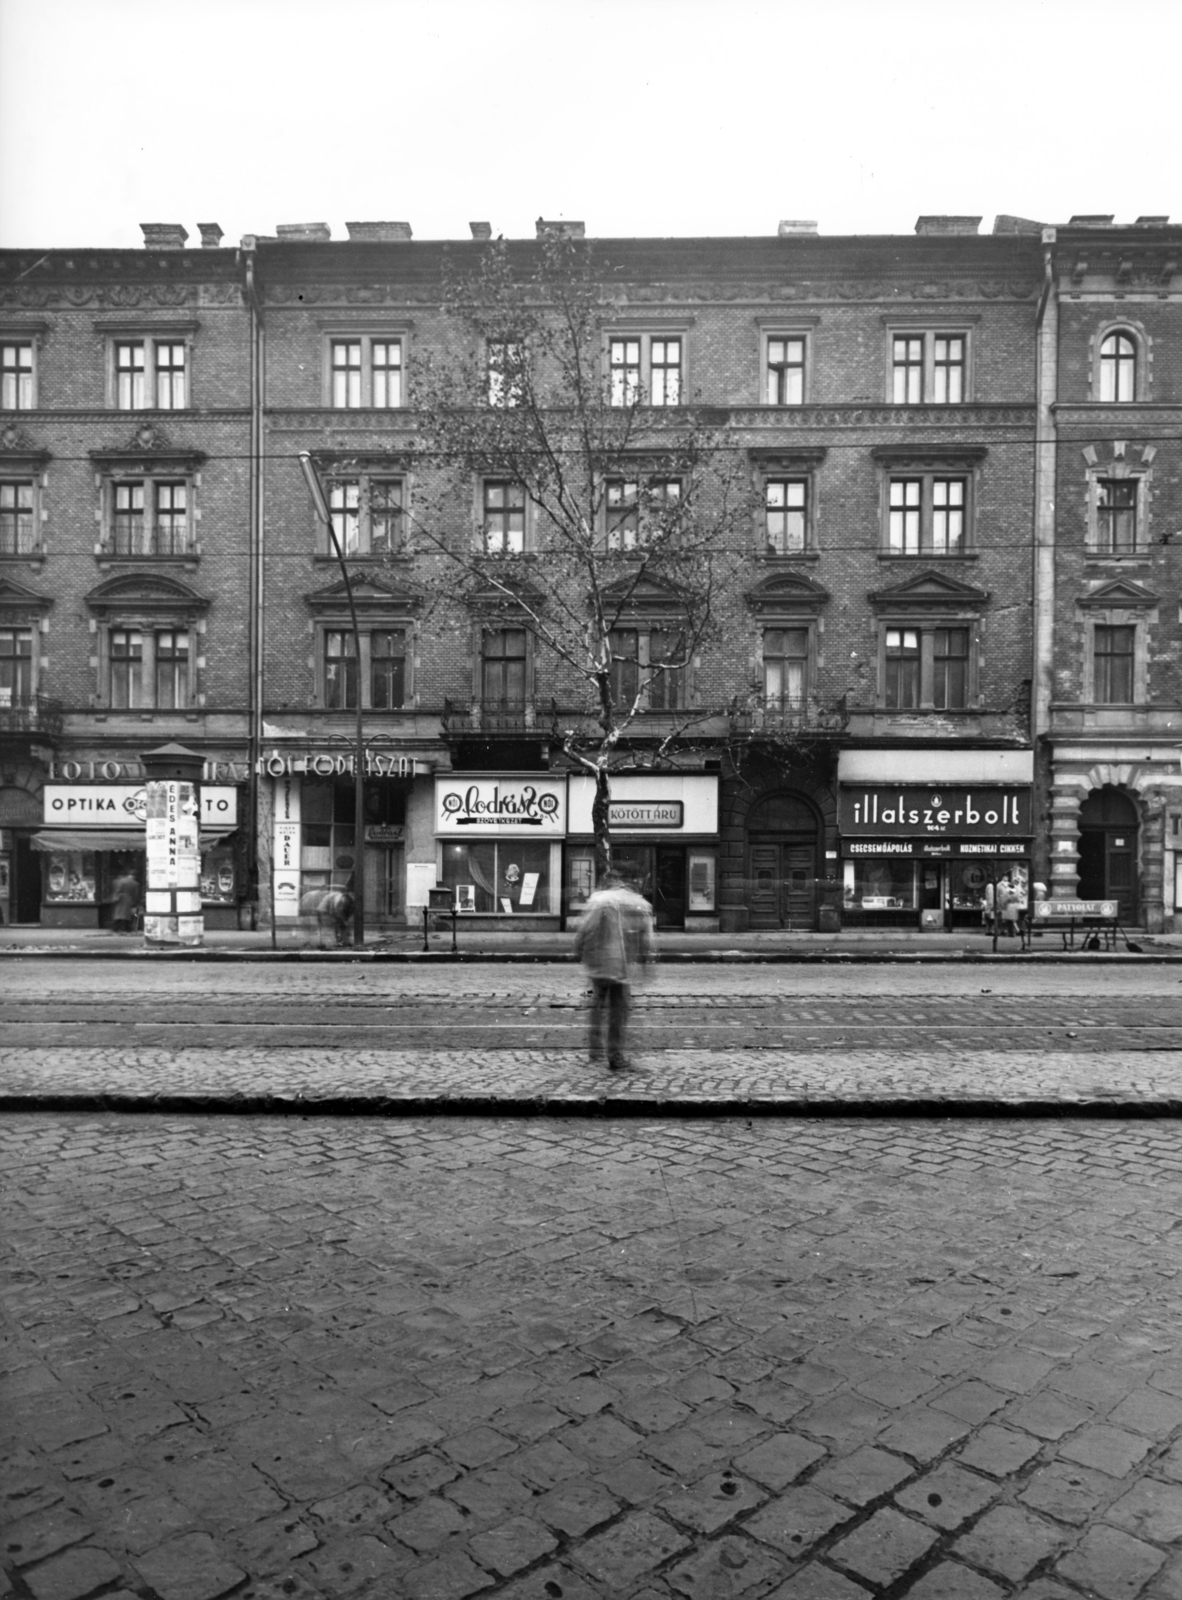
x=528 y=807
x=934 y=812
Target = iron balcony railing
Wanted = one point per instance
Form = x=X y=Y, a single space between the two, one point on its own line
x=788 y=716
x=492 y=719
x=30 y=713
x=145 y=542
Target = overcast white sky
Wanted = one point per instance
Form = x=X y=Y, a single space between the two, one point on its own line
x=638 y=116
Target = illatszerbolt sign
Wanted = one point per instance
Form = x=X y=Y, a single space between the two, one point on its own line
x=935 y=812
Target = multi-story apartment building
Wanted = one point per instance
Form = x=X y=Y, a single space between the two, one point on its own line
x=1109 y=688
x=862 y=749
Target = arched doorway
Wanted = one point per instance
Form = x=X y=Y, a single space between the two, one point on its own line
x=1108 y=830
x=782 y=835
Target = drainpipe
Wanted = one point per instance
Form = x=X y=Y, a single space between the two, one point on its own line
x=256 y=591
x=1046 y=371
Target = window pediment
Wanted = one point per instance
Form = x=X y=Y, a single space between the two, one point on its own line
x=645 y=598
x=930 y=457
x=372 y=596
x=931 y=589
x=794 y=592
x=148 y=594
x=18 y=452
x=1122 y=592
x=19 y=603
x=787 y=458
x=148 y=450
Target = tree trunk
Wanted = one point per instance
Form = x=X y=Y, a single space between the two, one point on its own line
x=601 y=824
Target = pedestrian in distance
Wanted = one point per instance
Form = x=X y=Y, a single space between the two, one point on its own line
x=615 y=942
x=125 y=901
x=334 y=914
x=1009 y=906
x=988 y=907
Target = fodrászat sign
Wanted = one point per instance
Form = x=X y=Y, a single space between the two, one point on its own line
x=964 y=813
x=526 y=806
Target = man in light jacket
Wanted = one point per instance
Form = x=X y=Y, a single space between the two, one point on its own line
x=614 y=940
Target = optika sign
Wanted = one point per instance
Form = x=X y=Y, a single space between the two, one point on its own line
x=500 y=805
x=937 y=812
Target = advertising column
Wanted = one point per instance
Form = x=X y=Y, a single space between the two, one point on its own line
x=172 y=908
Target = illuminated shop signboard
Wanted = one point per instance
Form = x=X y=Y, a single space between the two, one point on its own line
x=527 y=807
x=935 y=812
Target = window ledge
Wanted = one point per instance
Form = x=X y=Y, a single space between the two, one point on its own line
x=33 y=558
x=788 y=558
x=928 y=555
x=106 y=559
x=328 y=559
x=1120 y=557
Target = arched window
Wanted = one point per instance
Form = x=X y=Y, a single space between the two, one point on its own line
x=1118 y=367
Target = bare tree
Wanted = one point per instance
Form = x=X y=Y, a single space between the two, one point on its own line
x=616 y=504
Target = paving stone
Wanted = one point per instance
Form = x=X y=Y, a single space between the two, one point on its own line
x=897 y=1386
x=816 y=1582
x=428 y=1525
x=812 y=1378
x=1018 y=1371
x=576 y=1506
x=270 y=1546
x=636 y=1544
x=683 y=1451
x=420 y=1475
x=652 y=1410
x=549 y=1583
x=42 y=1534
x=141 y=1523
x=711 y=1502
x=1098 y=1387
x=1166 y=1584
x=1009 y=1542
x=1148 y=1411
x=950 y=1581
x=998 y=1451
x=73 y=1574
x=1065 y=1492
x=921 y=1433
x=1047 y=1416
x=633 y=1481
x=188 y=1568
x=794 y=1521
x=775 y=1401
x=1111 y=1563
x=862 y=1476
x=601 y=1439
x=489 y=1497
x=972 y=1402
x=356 y=1507
x=358 y=1564
x=531 y=1420
x=725 y=1570
x=548 y=1463
x=884 y=1548
x=1111 y=1450
x=1151 y=1510
x=947 y=1496
x=513 y=1545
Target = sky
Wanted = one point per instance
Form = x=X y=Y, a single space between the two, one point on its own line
x=638 y=117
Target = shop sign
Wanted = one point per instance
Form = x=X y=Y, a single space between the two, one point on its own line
x=958 y=812
x=125 y=805
x=109 y=771
x=1045 y=910
x=384 y=833
x=285 y=843
x=939 y=849
x=645 y=814
x=526 y=806
x=664 y=802
x=338 y=764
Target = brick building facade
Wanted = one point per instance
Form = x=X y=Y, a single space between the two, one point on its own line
x=863 y=750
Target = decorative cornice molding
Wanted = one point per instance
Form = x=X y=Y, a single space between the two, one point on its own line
x=372 y=596
x=19 y=453
x=148 y=450
x=916 y=455
x=146 y=592
x=928 y=590
x=68 y=297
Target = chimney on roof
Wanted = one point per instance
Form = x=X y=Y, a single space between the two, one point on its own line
x=303 y=232
x=931 y=227
x=568 y=230
x=481 y=230
x=211 y=235
x=1152 y=222
x=1092 y=219
x=790 y=229
x=379 y=232
x=1020 y=225
x=164 y=235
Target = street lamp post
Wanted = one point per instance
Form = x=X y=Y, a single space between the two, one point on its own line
x=316 y=490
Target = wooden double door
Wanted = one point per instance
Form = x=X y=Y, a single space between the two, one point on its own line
x=783 y=878
x=1108 y=840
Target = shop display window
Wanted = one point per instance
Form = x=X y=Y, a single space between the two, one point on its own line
x=701 y=880
x=499 y=876
x=70 y=876
x=580 y=876
x=880 y=884
x=217 y=877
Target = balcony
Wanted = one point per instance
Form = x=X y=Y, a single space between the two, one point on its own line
x=33 y=715
x=496 y=719
x=141 y=544
x=788 y=717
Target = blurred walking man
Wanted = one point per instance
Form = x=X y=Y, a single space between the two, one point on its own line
x=614 y=941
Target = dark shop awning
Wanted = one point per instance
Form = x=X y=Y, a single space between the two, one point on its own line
x=61 y=840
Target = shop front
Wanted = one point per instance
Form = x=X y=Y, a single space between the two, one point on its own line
x=94 y=833
x=931 y=854
x=664 y=829
x=499 y=839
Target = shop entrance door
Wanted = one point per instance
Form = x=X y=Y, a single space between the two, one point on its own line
x=1108 y=834
x=25 y=888
x=670 y=884
x=782 y=863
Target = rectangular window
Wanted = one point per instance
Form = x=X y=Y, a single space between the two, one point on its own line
x=786 y=515
x=623 y=513
x=624 y=644
x=127 y=522
x=385 y=515
x=172 y=519
x=950 y=668
x=927 y=516
x=503 y=669
x=170 y=377
x=130 y=394
x=666 y=683
x=366 y=515
x=344 y=508
x=387 y=373
x=929 y=367
x=1116 y=515
x=387 y=669
x=340 y=670
x=902 y=668
x=504 y=875
x=16 y=666
x=16 y=376
x=785 y=372
x=346 y=373
x=665 y=389
x=172 y=670
x=785 y=668
x=506 y=385
x=624 y=371
x=16 y=518
x=1113 y=664
x=504 y=517
x=127 y=668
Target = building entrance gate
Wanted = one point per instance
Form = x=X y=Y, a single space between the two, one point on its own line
x=1108 y=836
x=782 y=863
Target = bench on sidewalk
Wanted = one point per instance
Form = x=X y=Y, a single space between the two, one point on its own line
x=1094 y=918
